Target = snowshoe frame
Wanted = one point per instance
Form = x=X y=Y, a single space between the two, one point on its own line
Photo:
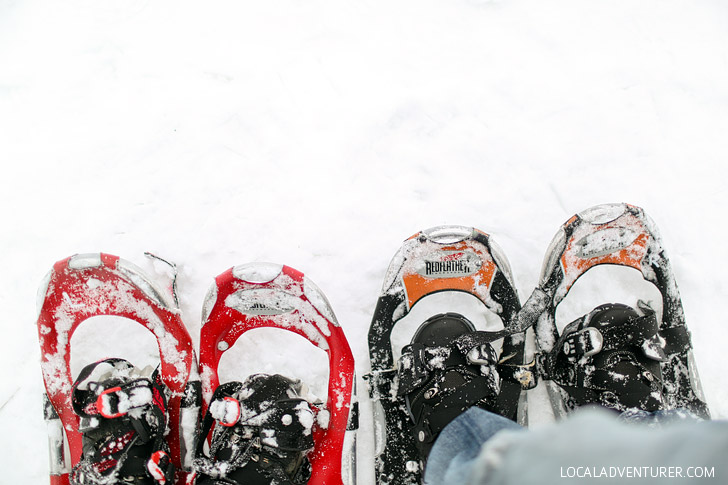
x=88 y=285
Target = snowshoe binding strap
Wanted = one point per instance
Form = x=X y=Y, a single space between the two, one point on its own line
x=262 y=433
x=611 y=357
x=418 y=362
x=123 y=420
x=447 y=369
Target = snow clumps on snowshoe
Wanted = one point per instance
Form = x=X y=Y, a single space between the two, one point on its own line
x=263 y=431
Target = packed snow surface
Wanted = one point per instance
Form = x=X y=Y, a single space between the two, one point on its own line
x=322 y=134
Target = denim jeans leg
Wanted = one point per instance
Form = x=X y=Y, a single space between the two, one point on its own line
x=459 y=444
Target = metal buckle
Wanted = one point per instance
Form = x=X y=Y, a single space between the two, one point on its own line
x=104 y=403
x=586 y=342
x=596 y=339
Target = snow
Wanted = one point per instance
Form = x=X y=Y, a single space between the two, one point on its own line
x=133 y=401
x=305 y=417
x=322 y=418
x=320 y=135
x=188 y=417
x=269 y=438
x=257 y=272
x=225 y=410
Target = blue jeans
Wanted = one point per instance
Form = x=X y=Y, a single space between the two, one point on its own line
x=458 y=445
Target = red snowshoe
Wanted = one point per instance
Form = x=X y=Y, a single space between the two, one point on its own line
x=264 y=429
x=89 y=285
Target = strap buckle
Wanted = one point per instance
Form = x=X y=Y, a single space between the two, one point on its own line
x=583 y=343
x=414 y=367
x=379 y=382
x=117 y=401
x=226 y=411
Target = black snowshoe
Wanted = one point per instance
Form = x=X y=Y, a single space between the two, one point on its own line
x=448 y=366
x=123 y=419
x=262 y=433
x=617 y=356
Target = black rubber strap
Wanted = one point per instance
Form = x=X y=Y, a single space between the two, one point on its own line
x=438 y=415
x=227 y=389
x=677 y=339
x=468 y=341
x=604 y=380
x=416 y=364
x=632 y=332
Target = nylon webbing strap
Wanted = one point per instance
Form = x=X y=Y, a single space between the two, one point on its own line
x=591 y=340
x=603 y=379
x=116 y=401
x=227 y=389
x=677 y=339
x=468 y=341
x=418 y=361
x=434 y=417
x=582 y=344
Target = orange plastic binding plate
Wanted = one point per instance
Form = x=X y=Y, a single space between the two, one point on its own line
x=630 y=254
x=461 y=266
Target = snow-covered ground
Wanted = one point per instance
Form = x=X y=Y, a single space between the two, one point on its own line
x=321 y=134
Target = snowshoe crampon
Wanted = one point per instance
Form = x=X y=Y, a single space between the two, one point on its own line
x=89 y=285
x=441 y=259
x=616 y=356
x=260 y=295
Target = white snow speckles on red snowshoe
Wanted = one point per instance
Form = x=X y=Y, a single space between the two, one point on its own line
x=84 y=286
x=258 y=295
